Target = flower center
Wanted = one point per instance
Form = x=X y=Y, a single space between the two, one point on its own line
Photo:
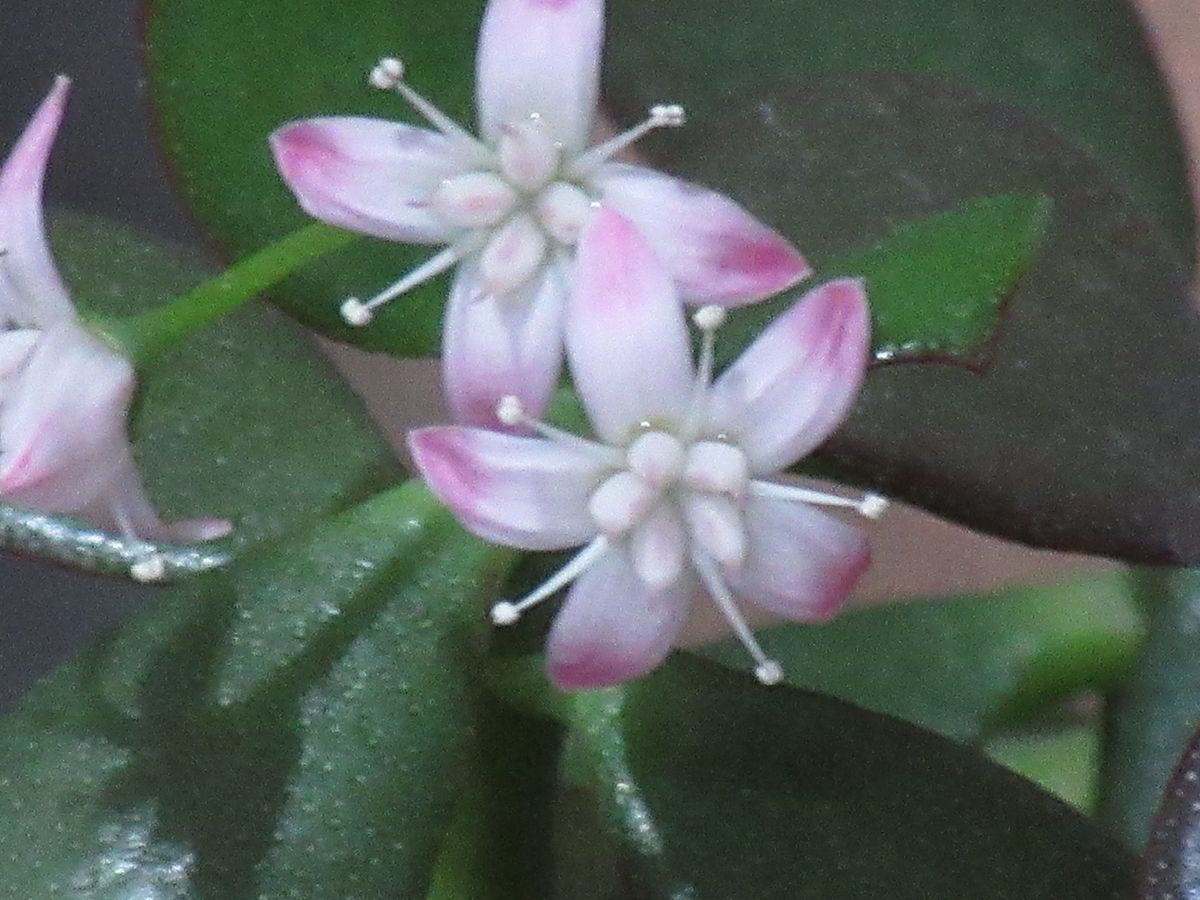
x=519 y=204
x=672 y=500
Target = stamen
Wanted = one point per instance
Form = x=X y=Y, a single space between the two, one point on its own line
x=388 y=75
x=870 y=506
x=708 y=319
x=670 y=115
x=766 y=670
x=358 y=313
x=150 y=566
x=511 y=412
x=507 y=613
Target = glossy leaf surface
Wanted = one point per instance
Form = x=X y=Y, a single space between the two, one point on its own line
x=334 y=774
x=962 y=665
x=242 y=421
x=1156 y=710
x=725 y=789
x=1171 y=867
x=1084 y=66
x=1080 y=435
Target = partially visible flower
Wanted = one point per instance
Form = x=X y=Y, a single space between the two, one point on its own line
x=674 y=497
x=509 y=206
x=64 y=393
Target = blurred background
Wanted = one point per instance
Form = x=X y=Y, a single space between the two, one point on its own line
x=106 y=163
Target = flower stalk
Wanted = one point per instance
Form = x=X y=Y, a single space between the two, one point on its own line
x=147 y=337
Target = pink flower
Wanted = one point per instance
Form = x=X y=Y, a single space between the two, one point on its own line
x=673 y=496
x=64 y=393
x=509 y=206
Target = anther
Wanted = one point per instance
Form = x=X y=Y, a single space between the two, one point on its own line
x=150 y=568
x=356 y=313
x=388 y=73
x=663 y=115
x=709 y=318
x=668 y=115
x=872 y=506
x=510 y=411
x=769 y=672
x=505 y=613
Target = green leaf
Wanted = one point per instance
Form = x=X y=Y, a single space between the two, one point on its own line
x=722 y=788
x=1081 y=434
x=1063 y=760
x=1152 y=716
x=1171 y=869
x=1082 y=65
x=336 y=772
x=963 y=665
x=937 y=285
x=243 y=421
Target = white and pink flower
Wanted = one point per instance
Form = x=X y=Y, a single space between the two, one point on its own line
x=64 y=393
x=672 y=498
x=509 y=205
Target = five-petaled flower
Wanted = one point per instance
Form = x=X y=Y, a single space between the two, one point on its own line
x=510 y=206
x=673 y=498
x=64 y=393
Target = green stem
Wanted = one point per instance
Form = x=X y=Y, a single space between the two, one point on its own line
x=145 y=338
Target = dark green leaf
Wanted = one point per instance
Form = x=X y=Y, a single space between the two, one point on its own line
x=961 y=665
x=725 y=789
x=1171 y=868
x=1082 y=65
x=334 y=775
x=1155 y=712
x=243 y=421
x=1081 y=434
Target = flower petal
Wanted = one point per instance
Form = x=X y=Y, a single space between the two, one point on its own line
x=543 y=57
x=800 y=563
x=788 y=391
x=125 y=503
x=612 y=627
x=368 y=175
x=31 y=290
x=497 y=346
x=626 y=338
x=62 y=431
x=521 y=492
x=715 y=250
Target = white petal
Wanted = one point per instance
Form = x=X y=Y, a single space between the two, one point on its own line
x=793 y=386
x=626 y=338
x=31 y=290
x=516 y=491
x=715 y=251
x=611 y=627
x=800 y=563
x=62 y=431
x=540 y=57
x=658 y=547
x=368 y=175
x=500 y=346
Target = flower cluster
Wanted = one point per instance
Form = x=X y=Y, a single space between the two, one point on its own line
x=673 y=497
x=64 y=393
x=510 y=205
x=558 y=244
